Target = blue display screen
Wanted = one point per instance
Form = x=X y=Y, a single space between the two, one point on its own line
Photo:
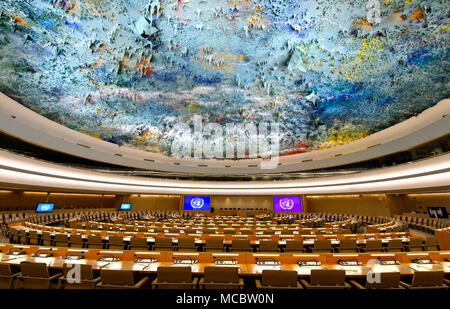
x=197 y=203
x=125 y=206
x=45 y=207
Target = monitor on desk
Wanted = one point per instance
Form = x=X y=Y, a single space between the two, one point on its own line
x=45 y=207
x=287 y=203
x=125 y=206
x=197 y=203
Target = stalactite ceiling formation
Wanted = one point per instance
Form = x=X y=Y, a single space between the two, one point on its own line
x=128 y=71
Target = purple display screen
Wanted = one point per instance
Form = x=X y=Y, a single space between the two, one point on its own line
x=287 y=203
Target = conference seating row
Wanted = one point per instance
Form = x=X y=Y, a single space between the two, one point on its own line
x=428 y=225
x=349 y=244
x=33 y=269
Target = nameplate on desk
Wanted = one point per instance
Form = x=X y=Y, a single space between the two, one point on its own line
x=42 y=255
x=225 y=262
x=185 y=261
x=349 y=263
x=267 y=262
x=15 y=253
x=389 y=262
x=423 y=261
x=109 y=259
x=74 y=257
x=145 y=260
x=309 y=263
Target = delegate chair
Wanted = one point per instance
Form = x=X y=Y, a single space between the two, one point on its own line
x=24 y=238
x=34 y=238
x=326 y=279
x=115 y=242
x=35 y=276
x=6 y=276
x=294 y=246
x=76 y=241
x=186 y=244
x=431 y=244
x=348 y=245
x=322 y=246
x=387 y=280
x=214 y=244
x=373 y=245
x=119 y=279
x=94 y=242
x=86 y=278
x=278 y=279
x=163 y=244
x=426 y=280
x=217 y=277
x=138 y=243
x=61 y=240
x=240 y=245
x=46 y=239
x=268 y=246
x=395 y=245
x=171 y=277
x=415 y=244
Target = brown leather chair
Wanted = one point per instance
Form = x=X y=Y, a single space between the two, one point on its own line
x=7 y=276
x=431 y=244
x=46 y=239
x=326 y=279
x=33 y=238
x=426 y=280
x=373 y=245
x=217 y=277
x=395 y=245
x=94 y=242
x=388 y=280
x=214 y=244
x=294 y=246
x=322 y=246
x=186 y=244
x=278 y=279
x=415 y=244
x=240 y=245
x=163 y=244
x=76 y=241
x=348 y=245
x=174 y=277
x=268 y=246
x=86 y=278
x=138 y=243
x=119 y=279
x=115 y=242
x=61 y=240
x=35 y=276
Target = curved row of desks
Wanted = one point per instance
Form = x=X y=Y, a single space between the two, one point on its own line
x=250 y=264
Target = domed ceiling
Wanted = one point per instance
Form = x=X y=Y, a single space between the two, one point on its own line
x=128 y=72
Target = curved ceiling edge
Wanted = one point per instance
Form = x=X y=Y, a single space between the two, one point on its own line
x=27 y=125
x=17 y=172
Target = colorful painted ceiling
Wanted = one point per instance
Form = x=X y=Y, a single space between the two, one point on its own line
x=129 y=71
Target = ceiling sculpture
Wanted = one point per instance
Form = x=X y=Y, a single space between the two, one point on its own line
x=128 y=72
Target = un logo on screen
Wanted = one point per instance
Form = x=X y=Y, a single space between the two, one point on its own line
x=45 y=207
x=286 y=203
x=197 y=203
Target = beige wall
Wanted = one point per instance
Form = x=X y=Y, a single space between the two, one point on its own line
x=11 y=200
x=146 y=202
x=244 y=201
x=368 y=205
x=420 y=202
x=371 y=204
